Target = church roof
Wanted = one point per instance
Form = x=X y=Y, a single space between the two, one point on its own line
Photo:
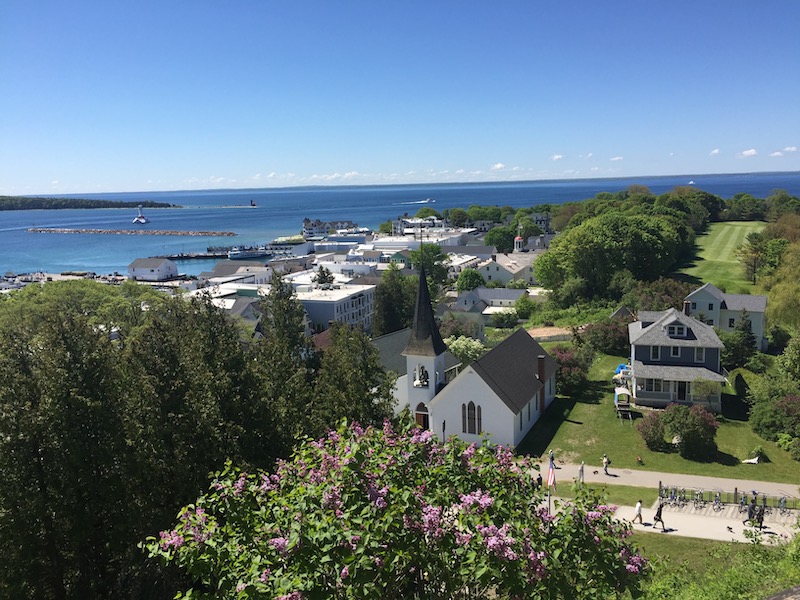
x=511 y=369
x=425 y=338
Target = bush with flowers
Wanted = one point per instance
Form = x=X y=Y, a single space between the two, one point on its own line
x=393 y=513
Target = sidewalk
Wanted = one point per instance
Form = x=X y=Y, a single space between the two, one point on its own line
x=725 y=525
x=640 y=478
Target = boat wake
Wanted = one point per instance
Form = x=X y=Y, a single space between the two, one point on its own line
x=426 y=201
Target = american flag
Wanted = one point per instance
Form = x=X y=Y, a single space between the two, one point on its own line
x=551 y=475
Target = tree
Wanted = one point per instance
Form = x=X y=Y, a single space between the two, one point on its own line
x=427 y=211
x=524 y=305
x=323 y=276
x=390 y=512
x=740 y=344
x=458 y=217
x=469 y=279
x=501 y=238
x=465 y=349
x=394 y=302
x=751 y=255
x=351 y=384
x=435 y=261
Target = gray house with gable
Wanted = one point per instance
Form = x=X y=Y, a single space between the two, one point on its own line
x=669 y=351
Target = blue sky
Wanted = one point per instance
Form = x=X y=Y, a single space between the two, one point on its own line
x=154 y=95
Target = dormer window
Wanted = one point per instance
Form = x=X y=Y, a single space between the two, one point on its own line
x=676 y=331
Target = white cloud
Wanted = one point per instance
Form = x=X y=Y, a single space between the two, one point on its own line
x=460 y=172
x=714 y=152
x=777 y=153
x=748 y=153
x=790 y=149
x=616 y=158
x=557 y=156
x=595 y=169
x=589 y=155
x=498 y=167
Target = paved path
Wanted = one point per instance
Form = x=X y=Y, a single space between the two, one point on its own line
x=725 y=525
x=650 y=479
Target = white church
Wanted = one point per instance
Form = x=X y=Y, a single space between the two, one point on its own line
x=501 y=394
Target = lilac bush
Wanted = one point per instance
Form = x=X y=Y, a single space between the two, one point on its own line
x=392 y=512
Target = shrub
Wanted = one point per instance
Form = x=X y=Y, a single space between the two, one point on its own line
x=393 y=513
x=505 y=318
x=525 y=305
x=696 y=429
x=608 y=336
x=652 y=430
x=573 y=367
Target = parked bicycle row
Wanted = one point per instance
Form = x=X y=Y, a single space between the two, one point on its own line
x=717 y=499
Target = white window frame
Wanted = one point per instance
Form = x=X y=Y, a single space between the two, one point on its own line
x=675 y=351
x=655 y=352
x=700 y=354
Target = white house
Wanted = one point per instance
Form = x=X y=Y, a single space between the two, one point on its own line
x=723 y=311
x=501 y=395
x=152 y=269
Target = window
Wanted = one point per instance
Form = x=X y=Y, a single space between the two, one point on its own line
x=699 y=355
x=655 y=352
x=471 y=418
x=694 y=305
x=653 y=385
x=710 y=306
x=676 y=331
x=675 y=352
x=421 y=416
x=710 y=322
x=731 y=322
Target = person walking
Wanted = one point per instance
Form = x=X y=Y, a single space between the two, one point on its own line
x=638 y=513
x=539 y=481
x=751 y=512
x=760 y=517
x=658 y=518
x=552 y=456
x=580 y=473
x=606 y=462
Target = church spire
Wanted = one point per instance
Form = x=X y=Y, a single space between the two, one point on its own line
x=425 y=337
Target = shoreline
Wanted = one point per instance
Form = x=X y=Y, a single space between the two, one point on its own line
x=132 y=231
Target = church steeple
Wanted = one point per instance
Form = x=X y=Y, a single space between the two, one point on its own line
x=425 y=337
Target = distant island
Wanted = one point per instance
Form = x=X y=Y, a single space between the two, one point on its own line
x=28 y=203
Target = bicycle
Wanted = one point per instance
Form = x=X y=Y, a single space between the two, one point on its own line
x=718 y=505
x=743 y=504
x=782 y=506
x=699 y=501
x=767 y=510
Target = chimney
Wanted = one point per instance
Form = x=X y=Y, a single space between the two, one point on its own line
x=686 y=307
x=540 y=374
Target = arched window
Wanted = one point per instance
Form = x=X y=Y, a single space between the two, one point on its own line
x=471 y=418
x=480 y=425
x=463 y=418
x=421 y=416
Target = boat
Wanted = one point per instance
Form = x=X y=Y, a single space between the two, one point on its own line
x=140 y=219
x=691 y=182
x=243 y=253
x=252 y=204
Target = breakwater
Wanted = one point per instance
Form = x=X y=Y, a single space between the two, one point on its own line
x=132 y=231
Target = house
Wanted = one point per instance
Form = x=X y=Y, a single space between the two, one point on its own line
x=507 y=267
x=501 y=395
x=713 y=306
x=152 y=269
x=671 y=350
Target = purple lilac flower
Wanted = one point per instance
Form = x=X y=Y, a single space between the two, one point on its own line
x=281 y=545
x=170 y=539
x=478 y=499
x=344 y=573
x=264 y=576
x=432 y=521
x=238 y=487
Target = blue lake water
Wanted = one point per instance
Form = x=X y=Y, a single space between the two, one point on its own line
x=281 y=212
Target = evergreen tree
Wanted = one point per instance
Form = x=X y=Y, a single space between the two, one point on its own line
x=394 y=302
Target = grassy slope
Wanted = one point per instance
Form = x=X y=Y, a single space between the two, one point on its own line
x=716 y=260
x=585 y=427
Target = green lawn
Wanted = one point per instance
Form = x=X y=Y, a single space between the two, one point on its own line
x=583 y=428
x=716 y=258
